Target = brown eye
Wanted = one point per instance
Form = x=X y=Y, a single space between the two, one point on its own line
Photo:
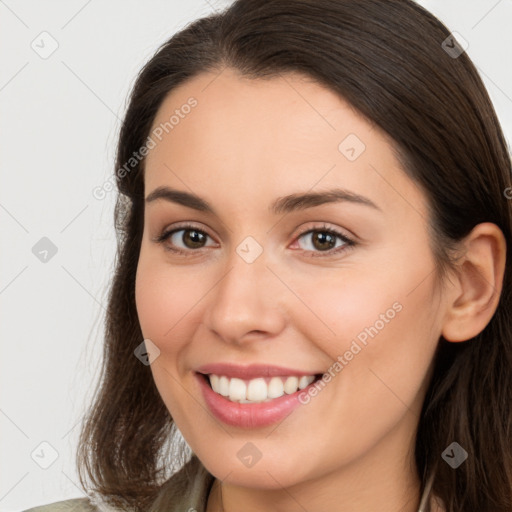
x=193 y=238
x=183 y=239
x=322 y=240
x=325 y=240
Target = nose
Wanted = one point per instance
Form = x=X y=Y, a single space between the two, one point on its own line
x=247 y=303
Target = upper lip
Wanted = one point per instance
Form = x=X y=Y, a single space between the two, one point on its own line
x=251 y=371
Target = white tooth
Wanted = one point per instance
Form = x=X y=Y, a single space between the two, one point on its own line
x=257 y=389
x=291 y=385
x=275 y=387
x=237 y=390
x=305 y=381
x=224 y=386
x=214 y=381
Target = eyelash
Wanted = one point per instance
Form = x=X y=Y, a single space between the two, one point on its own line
x=349 y=243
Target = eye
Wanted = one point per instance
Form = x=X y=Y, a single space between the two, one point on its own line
x=191 y=237
x=322 y=241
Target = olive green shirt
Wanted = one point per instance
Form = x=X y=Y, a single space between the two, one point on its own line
x=188 y=489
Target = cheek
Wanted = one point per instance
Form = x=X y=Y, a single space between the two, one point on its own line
x=381 y=327
x=385 y=338
x=163 y=299
x=389 y=308
x=344 y=306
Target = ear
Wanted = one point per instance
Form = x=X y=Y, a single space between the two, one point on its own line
x=476 y=290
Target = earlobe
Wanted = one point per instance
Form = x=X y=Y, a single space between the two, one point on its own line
x=479 y=281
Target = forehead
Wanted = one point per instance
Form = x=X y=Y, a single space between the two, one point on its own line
x=266 y=136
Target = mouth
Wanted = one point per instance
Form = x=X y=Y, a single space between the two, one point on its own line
x=259 y=389
x=253 y=396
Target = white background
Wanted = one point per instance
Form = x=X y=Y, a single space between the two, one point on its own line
x=59 y=123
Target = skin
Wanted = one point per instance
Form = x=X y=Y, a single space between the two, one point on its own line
x=246 y=143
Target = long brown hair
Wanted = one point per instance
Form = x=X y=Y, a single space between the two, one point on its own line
x=388 y=60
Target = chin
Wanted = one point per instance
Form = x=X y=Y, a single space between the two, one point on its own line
x=275 y=472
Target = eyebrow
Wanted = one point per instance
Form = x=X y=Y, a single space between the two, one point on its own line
x=285 y=204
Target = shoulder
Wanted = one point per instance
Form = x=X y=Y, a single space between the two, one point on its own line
x=73 y=505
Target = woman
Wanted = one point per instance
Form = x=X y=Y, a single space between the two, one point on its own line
x=311 y=285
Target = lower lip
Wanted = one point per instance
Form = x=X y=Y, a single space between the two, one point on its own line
x=249 y=415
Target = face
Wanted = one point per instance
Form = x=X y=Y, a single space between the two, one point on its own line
x=341 y=287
